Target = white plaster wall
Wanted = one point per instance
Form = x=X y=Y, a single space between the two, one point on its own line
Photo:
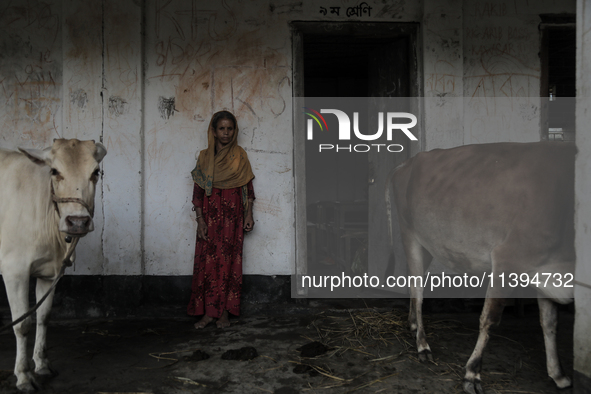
x=502 y=68
x=217 y=56
x=482 y=70
x=82 y=105
x=31 y=73
x=443 y=74
x=99 y=69
x=122 y=135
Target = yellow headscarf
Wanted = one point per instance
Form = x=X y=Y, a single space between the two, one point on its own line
x=226 y=169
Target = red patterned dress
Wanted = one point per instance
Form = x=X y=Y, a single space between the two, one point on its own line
x=217 y=269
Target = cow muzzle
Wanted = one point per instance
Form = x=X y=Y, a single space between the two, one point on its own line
x=78 y=225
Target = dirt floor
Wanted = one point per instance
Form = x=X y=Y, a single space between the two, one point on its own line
x=369 y=350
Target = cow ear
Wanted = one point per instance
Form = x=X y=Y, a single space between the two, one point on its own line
x=37 y=156
x=101 y=152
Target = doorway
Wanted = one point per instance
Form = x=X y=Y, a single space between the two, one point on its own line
x=558 y=77
x=340 y=225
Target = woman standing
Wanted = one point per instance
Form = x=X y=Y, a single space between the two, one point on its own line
x=222 y=198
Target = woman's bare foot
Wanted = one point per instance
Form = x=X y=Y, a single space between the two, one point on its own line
x=205 y=320
x=223 y=321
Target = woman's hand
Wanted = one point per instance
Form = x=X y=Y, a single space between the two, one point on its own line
x=248 y=222
x=202 y=229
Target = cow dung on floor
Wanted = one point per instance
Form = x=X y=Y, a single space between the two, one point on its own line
x=243 y=354
x=198 y=355
x=312 y=349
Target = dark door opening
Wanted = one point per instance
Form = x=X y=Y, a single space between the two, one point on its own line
x=336 y=182
x=355 y=60
x=558 y=80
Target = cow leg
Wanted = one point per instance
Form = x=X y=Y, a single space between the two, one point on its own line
x=418 y=259
x=39 y=354
x=423 y=348
x=549 y=321
x=491 y=315
x=17 y=289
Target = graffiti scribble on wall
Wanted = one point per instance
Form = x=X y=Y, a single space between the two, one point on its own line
x=117 y=106
x=166 y=107
x=79 y=98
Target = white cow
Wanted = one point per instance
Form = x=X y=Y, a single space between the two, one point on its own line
x=45 y=195
x=504 y=208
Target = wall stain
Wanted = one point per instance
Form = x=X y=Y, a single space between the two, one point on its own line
x=392 y=10
x=79 y=98
x=286 y=7
x=118 y=106
x=166 y=107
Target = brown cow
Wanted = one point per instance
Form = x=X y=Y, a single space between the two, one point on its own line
x=500 y=208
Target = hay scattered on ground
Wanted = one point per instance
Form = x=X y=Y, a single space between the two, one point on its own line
x=359 y=330
x=371 y=332
x=366 y=332
x=358 y=327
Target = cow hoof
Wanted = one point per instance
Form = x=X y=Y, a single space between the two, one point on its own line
x=47 y=373
x=563 y=382
x=425 y=356
x=28 y=387
x=473 y=387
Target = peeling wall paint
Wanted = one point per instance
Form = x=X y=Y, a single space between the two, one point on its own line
x=145 y=80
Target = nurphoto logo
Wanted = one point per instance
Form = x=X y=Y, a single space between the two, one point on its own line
x=392 y=120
